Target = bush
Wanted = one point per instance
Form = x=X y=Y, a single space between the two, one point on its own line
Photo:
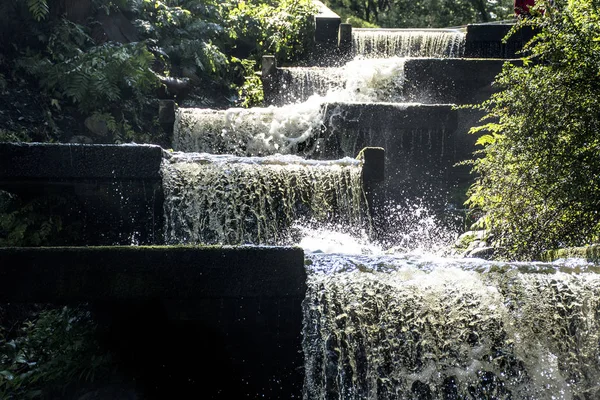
x=539 y=174
x=52 y=353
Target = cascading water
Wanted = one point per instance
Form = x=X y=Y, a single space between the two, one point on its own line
x=291 y=128
x=246 y=132
x=368 y=80
x=213 y=199
x=411 y=327
x=431 y=43
x=393 y=324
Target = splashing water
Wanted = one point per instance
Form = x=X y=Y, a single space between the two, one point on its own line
x=410 y=229
x=431 y=43
x=371 y=80
x=431 y=328
x=293 y=128
x=334 y=239
x=233 y=200
x=247 y=132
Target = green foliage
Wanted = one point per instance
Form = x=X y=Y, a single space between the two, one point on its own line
x=51 y=353
x=539 y=174
x=424 y=13
x=251 y=92
x=208 y=44
x=95 y=79
x=284 y=30
x=14 y=136
x=39 y=9
x=35 y=222
x=188 y=34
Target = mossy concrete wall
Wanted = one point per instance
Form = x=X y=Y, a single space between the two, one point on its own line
x=589 y=253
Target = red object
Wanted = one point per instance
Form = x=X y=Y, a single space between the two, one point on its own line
x=522 y=6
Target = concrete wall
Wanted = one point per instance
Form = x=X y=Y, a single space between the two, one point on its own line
x=456 y=81
x=422 y=145
x=181 y=322
x=486 y=40
x=112 y=193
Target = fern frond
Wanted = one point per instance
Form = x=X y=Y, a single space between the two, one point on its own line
x=39 y=9
x=101 y=84
x=77 y=85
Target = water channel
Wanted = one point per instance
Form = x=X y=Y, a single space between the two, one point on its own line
x=391 y=319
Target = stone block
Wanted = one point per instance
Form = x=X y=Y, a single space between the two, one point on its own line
x=72 y=274
x=111 y=194
x=20 y=161
x=458 y=81
x=486 y=40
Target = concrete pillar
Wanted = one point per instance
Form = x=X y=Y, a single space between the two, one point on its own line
x=326 y=24
x=373 y=175
x=166 y=111
x=166 y=115
x=269 y=66
x=269 y=77
x=345 y=37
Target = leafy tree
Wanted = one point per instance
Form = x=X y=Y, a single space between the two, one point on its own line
x=283 y=28
x=539 y=171
x=207 y=50
x=425 y=13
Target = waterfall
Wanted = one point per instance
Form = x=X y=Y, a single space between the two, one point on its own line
x=292 y=128
x=381 y=43
x=360 y=80
x=419 y=328
x=393 y=324
x=304 y=82
x=248 y=132
x=225 y=199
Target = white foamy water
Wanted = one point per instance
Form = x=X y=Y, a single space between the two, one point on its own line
x=414 y=326
x=234 y=200
x=292 y=128
x=247 y=132
x=431 y=43
x=360 y=80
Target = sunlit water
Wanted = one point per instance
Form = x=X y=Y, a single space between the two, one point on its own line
x=419 y=326
x=383 y=319
x=292 y=128
x=409 y=322
x=432 y=43
x=224 y=199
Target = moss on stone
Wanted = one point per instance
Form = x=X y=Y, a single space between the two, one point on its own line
x=590 y=253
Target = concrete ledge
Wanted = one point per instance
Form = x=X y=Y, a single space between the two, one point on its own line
x=327 y=24
x=486 y=40
x=459 y=81
x=64 y=274
x=590 y=253
x=395 y=116
x=78 y=161
x=112 y=194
